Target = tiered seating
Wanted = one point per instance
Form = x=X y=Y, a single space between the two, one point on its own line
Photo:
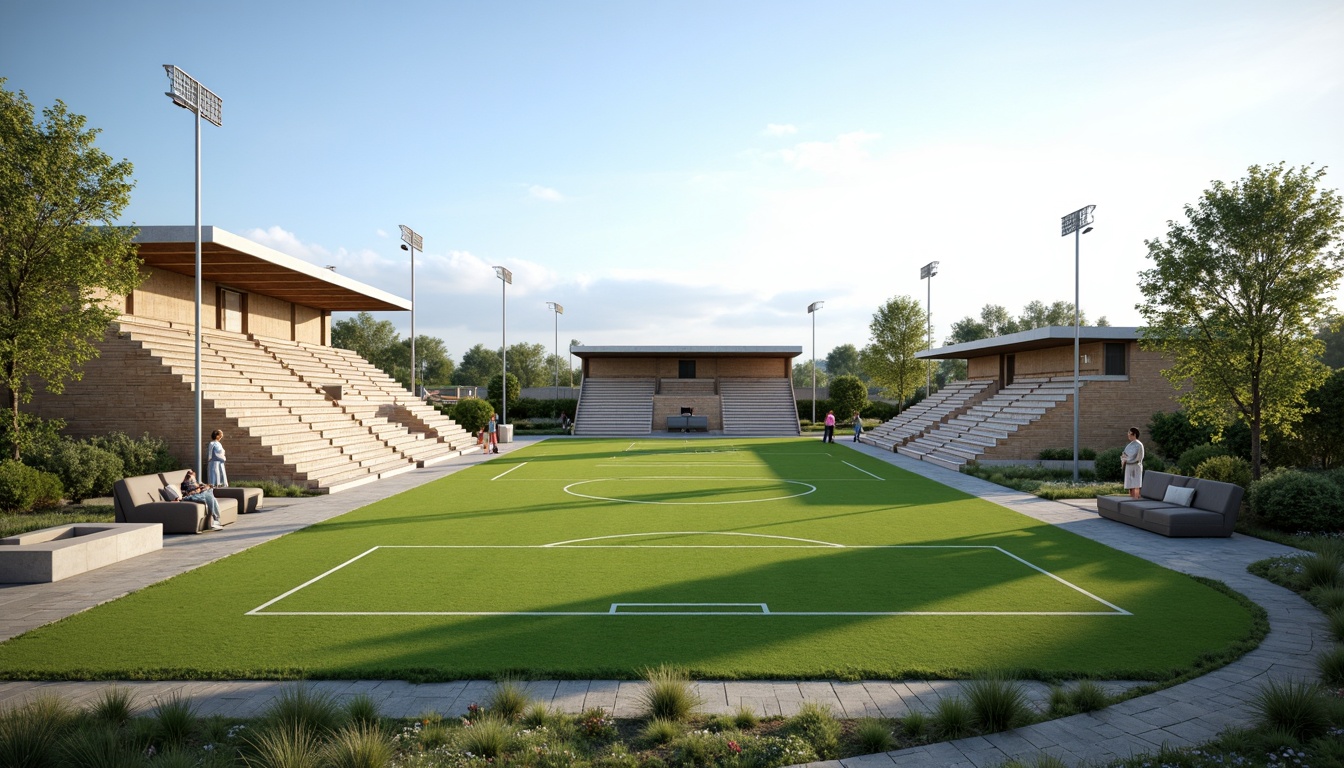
x=914 y=421
x=686 y=387
x=965 y=437
x=376 y=401
x=758 y=407
x=615 y=407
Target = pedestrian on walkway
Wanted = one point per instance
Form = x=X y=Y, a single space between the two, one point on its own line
x=214 y=461
x=492 y=428
x=829 y=435
x=1131 y=460
x=858 y=426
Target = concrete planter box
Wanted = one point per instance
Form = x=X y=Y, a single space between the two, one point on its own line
x=52 y=554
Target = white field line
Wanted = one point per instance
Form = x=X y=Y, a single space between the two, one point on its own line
x=507 y=471
x=805 y=544
x=570 y=490
x=864 y=471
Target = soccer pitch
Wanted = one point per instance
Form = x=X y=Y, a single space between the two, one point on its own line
x=587 y=558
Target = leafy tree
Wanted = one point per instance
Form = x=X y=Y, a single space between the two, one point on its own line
x=844 y=361
x=472 y=413
x=431 y=357
x=848 y=394
x=1331 y=333
x=478 y=365
x=1172 y=434
x=1236 y=294
x=528 y=363
x=897 y=332
x=1319 y=441
x=374 y=340
x=61 y=260
x=496 y=387
x=802 y=375
x=559 y=363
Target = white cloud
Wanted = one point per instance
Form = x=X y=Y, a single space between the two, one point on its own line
x=381 y=232
x=778 y=129
x=538 y=192
x=846 y=154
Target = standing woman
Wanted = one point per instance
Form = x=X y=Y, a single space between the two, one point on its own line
x=1131 y=460
x=214 y=461
x=858 y=426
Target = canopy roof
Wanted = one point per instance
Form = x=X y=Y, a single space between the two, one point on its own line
x=1023 y=341
x=237 y=262
x=585 y=352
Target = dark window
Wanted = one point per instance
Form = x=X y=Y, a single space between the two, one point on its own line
x=1115 y=360
x=1009 y=370
x=686 y=369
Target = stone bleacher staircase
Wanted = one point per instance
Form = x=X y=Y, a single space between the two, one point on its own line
x=953 y=399
x=763 y=407
x=298 y=413
x=616 y=407
x=981 y=426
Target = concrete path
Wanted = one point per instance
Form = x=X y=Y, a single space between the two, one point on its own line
x=1181 y=715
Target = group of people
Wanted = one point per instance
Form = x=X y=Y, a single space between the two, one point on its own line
x=488 y=438
x=192 y=489
x=828 y=436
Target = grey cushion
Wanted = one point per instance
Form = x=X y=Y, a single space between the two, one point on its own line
x=1180 y=496
x=1182 y=521
x=170 y=493
x=1155 y=485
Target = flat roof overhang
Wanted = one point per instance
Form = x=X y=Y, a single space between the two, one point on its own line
x=1025 y=341
x=586 y=352
x=236 y=262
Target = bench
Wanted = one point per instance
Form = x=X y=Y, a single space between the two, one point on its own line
x=140 y=500
x=687 y=423
x=1212 y=511
x=52 y=554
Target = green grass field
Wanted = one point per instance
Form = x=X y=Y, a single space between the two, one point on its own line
x=597 y=558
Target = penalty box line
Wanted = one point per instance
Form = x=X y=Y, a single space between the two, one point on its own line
x=612 y=611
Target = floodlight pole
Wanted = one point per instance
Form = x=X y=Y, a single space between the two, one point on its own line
x=558 y=310
x=506 y=278
x=1074 y=223
x=412 y=242
x=812 y=310
x=188 y=93
x=927 y=272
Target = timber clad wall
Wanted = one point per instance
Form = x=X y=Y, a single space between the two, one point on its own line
x=267 y=316
x=170 y=297
x=705 y=368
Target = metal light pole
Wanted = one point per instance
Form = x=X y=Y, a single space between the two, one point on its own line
x=558 y=310
x=812 y=310
x=187 y=93
x=1073 y=224
x=506 y=278
x=412 y=242
x=927 y=272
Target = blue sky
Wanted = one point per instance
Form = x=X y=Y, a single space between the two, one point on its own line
x=696 y=172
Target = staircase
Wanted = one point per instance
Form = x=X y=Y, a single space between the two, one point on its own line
x=914 y=421
x=763 y=407
x=967 y=436
x=279 y=422
x=615 y=407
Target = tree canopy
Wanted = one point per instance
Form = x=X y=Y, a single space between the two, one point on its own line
x=478 y=365
x=844 y=360
x=802 y=376
x=897 y=334
x=1237 y=293
x=64 y=266
x=374 y=340
x=848 y=395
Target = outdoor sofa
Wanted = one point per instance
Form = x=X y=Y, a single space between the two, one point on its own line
x=140 y=500
x=1210 y=511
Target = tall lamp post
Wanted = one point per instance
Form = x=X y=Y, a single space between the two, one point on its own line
x=927 y=272
x=412 y=242
x=506 y=278
x=812 y=310
x=558 y=310
x=1073 y=224
x=187 y=93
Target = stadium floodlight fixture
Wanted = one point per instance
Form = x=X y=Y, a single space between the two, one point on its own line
x=188 y=93
x=558 y=310
x=812 y=310
x=927 y=272
x=506 y=279
x=1073 y=224
x=412 y=242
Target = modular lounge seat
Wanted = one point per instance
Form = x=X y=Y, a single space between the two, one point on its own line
x=1211 y=512
x=140 y=500
x=249 y=499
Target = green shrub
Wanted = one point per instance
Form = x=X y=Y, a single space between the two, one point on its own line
x=953 y=718
x=660 y=730
x=848 y=394
x=489 y=737
x=1066 y=454
x=1297 y=708
x=1327 y=598
x=29 y=732
x=1335 y=621
x=1225 y=469
x=358 y=746
x=84 y=470
x=284 y=745
x=1173 y=434
x=1321 y=570
x=815 y=725
x=1193 y=457
x=875 y=409
x=472 y=413
x=300 y=708
x=113 y=705
x=1088 y=696
x=144 y=456
x=668 y=694
x=744 y=717
x=361 y=709
x=1294 y=501
x=873 y=735
x=1060 y=703
x=915 y=725
x=509 y=700
x=1108 y=467
x=176 y=717
x=997 y=703
x=98 y=745
x=24 y=489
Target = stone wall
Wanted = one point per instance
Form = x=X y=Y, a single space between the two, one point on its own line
x=710 y=406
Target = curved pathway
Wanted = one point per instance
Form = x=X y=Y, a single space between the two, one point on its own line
x=1185 y=714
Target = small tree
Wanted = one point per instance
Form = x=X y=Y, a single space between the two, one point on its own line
x=897 y=331
x=472 y=413
x=374 y=340
x=848 y=395
x=1237 y=293
x=496 y=390
x=61 y=273
x=802 y=376
x=478 y=365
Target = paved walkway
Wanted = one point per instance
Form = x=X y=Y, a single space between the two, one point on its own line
x=1186 y=714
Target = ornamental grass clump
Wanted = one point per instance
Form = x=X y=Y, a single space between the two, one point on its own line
x=509 y=700
x=660 y=730
x=1331 y=666
x=873 y=735
x=282 y=745
x=1088 y=696
x=915 y=725
x=953 y=718
x=1327 y=598
x=358 y=745
x=815 y=724
x=997 y=703
x=28 y=732
x=176 y=718
x=98 y=745
x=669 y=694
x=299 y=706
x=488 y=737
x=1335 y=620
x=744 y=717
x=1321 y=570
x=361 y=709
x=113 y=705
x=1297 y=708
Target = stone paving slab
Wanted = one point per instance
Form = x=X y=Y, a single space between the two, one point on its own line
x=1181 y=715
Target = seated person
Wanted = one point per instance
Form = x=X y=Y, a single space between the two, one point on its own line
x=200 y=492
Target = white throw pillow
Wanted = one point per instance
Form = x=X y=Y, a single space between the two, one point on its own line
x=170 y=493
x=1178 y=495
